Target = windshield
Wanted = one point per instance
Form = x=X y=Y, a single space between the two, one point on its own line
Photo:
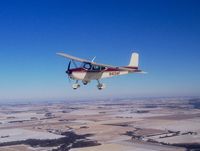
x=91 y=67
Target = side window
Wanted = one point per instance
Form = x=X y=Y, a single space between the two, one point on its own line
x=87 y=66
x=96 y=68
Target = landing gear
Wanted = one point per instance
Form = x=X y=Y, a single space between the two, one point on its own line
x=75 y=85
x=100 y=86
x=85 y=82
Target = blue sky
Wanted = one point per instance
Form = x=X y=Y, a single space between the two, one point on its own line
x=165 y=33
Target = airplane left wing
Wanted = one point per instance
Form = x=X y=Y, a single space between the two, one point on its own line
x=98 y=64
x=71 y=57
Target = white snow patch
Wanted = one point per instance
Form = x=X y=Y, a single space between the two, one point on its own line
x=9 y=135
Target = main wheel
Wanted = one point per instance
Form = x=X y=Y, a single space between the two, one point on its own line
x=101 y=86
x=75 y=86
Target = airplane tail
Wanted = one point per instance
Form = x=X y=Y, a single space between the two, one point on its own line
x=134 y=62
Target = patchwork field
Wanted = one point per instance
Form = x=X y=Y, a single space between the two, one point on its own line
x=167 y=124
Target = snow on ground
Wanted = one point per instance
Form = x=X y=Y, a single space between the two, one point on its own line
x=114 y=147
x=9 y=135
x=180 y=139
x=19 y=116
x=184 y=126
x=126 y=146
x=175 y=125
x=135 y=115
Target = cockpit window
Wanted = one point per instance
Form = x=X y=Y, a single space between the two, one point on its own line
x=87 y=66
x=96 y=68
x=91 y=67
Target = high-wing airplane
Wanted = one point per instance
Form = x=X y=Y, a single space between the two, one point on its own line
x=90 y=70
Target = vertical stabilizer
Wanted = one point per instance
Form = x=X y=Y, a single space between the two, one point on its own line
x=134 y=60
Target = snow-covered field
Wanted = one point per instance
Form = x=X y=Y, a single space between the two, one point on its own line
x=9 y=135
x=179 y=139
x=117 y=126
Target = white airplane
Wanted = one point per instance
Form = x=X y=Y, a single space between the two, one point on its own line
x=90 y=70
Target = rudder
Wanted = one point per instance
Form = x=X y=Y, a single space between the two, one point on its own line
x=134 y=62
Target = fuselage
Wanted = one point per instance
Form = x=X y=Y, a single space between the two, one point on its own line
x=88 y=75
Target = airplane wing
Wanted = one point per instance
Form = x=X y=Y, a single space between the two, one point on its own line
x=98 y=64
x=71 y=57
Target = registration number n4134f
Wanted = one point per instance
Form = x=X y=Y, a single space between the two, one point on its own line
x=113 y=73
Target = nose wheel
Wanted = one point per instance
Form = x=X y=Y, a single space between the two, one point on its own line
x=85 y=82
x=100 y=86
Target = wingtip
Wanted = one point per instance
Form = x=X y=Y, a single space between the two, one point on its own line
x=59 y=53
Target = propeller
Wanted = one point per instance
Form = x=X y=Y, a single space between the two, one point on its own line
x=68 y=68
x=68 y=71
